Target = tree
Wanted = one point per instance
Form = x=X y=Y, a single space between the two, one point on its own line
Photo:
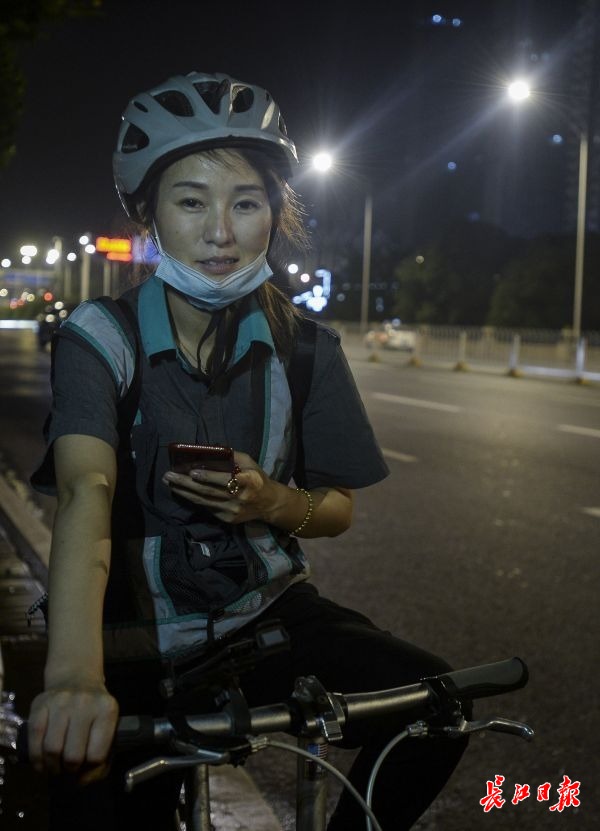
x=453 y=279
x=537 y=288
x=21 y=21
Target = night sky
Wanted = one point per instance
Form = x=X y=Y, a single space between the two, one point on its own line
x=396 y=97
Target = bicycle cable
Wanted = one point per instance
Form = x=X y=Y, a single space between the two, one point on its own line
x=373 y=824
x=375 y=770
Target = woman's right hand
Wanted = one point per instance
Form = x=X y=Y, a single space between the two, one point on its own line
x=71 y=728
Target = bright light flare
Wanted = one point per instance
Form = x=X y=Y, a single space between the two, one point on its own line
x=28 y=251
x=90 y=248
x=293 y=268
x=519 y=90
x=323 y=161
x=305 y=278
x=6 y=263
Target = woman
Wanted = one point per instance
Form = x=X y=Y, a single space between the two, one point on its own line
x=151 y=567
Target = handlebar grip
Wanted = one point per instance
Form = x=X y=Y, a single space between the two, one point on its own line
x=488 y=679
x=134 y=731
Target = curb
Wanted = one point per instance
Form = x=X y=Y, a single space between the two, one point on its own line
x=236 y=802
x=28 y=534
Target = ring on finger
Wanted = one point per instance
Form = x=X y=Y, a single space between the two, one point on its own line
x=233 y=486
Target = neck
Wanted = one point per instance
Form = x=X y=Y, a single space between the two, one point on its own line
x=189 y=322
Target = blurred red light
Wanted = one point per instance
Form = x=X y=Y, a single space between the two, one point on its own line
x=117 y=255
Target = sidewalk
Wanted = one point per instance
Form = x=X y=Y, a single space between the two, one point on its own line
x=236 y=804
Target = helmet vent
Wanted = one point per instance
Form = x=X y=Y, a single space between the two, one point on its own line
x=134 y=140
x=211 y=93
x=140 y=106
x=282 y=126
x=175 y=102
x=243 y=98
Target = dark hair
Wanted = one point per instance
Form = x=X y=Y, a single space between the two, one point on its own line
x=288 y=234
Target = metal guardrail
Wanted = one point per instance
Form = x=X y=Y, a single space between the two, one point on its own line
x=517 y=351
x=549 y=352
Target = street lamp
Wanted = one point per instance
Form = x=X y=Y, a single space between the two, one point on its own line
x=519 y=91
x=323 y=162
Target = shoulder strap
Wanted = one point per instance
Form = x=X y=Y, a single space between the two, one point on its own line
x=43 y=479
x=299 y=375
x=128 y=406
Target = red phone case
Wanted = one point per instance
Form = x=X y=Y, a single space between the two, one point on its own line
x=186 y=457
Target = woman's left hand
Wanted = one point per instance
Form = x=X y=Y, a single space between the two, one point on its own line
x=250 y=495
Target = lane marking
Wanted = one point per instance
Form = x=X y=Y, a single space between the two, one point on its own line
x=416 y=402
x=579 y=431
x=592 y=512
x=399 y=457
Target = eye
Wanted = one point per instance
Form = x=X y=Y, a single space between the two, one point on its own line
x=247 y=205
x=191 y=202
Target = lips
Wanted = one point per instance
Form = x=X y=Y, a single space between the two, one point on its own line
x=218 y=265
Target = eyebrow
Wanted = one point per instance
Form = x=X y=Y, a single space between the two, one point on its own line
x=202 y=186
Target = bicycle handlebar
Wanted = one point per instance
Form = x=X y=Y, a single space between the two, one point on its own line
x=474 y=682
x=292 y=716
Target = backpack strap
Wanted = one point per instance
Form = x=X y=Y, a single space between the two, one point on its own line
x=128 y=406
x=299 y=375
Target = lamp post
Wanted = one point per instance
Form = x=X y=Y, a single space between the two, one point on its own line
x=520 y=91
x=68 y=289
x=55 y=259
x=323 y=162
x=88 y=250
x=580 y=244
x=366 y=264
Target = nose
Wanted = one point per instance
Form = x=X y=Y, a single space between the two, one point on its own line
x=217 y=227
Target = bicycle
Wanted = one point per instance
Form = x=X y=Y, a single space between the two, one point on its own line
x=312 y=714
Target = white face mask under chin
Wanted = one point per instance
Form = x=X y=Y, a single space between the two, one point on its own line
x=203 y=291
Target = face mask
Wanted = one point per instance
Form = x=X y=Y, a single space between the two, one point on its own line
x=204 y=292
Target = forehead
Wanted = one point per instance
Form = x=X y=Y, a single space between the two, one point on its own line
x=222 y=165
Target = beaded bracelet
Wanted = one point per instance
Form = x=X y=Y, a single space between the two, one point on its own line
x=308 y=514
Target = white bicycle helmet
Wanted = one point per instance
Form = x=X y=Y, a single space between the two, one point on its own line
x=189 y=112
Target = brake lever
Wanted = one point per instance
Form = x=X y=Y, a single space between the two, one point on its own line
x=495 y=723
x=154 y=767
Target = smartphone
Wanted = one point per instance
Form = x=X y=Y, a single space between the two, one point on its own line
x=186 y=457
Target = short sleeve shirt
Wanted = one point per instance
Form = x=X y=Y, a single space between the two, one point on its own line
x=340 y=448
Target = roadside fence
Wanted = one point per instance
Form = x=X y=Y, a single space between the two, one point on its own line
x=514 y=351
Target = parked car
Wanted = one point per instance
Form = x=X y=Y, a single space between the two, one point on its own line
x=50 y=319
x=392 y=335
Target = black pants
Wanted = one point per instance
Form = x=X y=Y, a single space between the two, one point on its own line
x=347 y=653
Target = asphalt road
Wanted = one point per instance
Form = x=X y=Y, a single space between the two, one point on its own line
x=482 y=544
